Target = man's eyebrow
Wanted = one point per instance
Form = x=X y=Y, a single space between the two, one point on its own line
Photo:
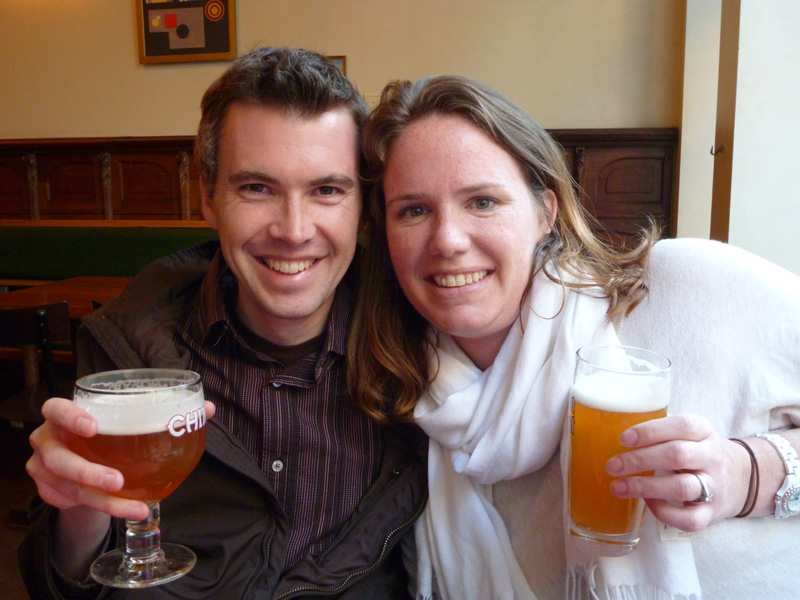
x=242 y=176
x=333 y=178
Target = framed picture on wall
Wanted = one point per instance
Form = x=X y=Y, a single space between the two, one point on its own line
x=341 y=62
x=186 y=30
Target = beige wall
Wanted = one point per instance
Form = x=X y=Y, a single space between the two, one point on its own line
x=70 y=68
x=699 y=122
x=765 y=211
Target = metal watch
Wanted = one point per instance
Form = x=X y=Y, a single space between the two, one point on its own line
x=787 y=498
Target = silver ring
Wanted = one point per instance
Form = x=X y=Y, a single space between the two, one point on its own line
x=705 y=493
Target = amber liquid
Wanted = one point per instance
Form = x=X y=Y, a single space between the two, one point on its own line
x=595 y=439
x=153 y=464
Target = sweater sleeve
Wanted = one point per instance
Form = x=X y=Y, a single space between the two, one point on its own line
x=35 y=560
x=730 y=323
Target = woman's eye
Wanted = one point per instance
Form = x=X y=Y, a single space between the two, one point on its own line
x=484 y=203
x=414 y=211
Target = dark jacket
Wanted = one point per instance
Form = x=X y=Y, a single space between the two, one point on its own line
x=225 y=511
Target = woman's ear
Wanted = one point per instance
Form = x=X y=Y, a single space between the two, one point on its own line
x=551 y=202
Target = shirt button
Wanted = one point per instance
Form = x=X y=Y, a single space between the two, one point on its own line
x=277 y=466
x=275 y=384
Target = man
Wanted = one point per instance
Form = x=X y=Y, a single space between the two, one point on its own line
x=298 y=494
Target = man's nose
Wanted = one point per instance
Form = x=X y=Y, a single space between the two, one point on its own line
x=293 y=224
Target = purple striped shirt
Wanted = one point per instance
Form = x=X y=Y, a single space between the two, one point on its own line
x=289 y=407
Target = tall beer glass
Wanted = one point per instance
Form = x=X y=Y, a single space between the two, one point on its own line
x=615 y=387
x=151 y=427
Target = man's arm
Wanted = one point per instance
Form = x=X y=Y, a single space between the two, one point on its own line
x=79 y=489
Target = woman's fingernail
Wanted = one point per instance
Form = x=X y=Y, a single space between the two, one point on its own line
x=619 y=487
x=614 y=465
x=628 y=438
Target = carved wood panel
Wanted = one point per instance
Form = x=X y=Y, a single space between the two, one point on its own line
x=70 y=186
x=627 y=187
x=146 y=186
x=625 y=178
x=14 y=196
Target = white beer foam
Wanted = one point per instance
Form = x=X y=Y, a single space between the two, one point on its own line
x=139 y=413
x=616 y=392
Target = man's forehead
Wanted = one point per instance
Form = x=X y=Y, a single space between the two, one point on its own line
x=291 y=113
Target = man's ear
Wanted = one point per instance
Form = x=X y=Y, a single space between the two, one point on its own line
x=207 y=204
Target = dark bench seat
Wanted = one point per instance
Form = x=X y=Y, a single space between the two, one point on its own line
x=45 y=252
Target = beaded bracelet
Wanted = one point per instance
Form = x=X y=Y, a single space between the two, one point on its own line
x=752 y=490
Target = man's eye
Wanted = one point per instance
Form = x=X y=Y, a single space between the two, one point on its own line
x=327 y=190
x=255 y=187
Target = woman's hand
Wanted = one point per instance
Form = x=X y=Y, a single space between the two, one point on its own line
x=682 y=445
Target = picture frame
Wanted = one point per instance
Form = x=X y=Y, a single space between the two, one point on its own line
x=341 y=62
x=172 y=31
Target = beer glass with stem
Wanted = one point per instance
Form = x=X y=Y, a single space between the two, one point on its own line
x=151 y=427
x=615 y=387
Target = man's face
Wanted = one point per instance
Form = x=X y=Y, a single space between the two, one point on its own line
x=287 y=205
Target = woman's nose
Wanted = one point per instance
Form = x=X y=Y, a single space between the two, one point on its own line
x=449 y=236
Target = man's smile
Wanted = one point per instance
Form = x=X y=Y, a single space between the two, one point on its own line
x=288 y=267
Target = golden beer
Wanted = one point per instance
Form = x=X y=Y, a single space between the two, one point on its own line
x=614 y=389
x=595 y=440
x=151 y=428
x=153 y=437
x=153 y=464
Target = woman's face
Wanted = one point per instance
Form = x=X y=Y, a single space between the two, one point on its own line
x=462 y=227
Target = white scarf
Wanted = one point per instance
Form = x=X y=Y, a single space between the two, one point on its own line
x=498 y=424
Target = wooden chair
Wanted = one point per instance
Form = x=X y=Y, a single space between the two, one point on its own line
x=32 y=330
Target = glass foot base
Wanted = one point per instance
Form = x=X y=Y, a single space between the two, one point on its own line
x=602 y=544
x=115 y=569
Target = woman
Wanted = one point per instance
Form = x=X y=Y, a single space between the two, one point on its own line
x=485 y=280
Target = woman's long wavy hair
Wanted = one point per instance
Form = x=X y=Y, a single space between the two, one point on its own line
x=388 y=363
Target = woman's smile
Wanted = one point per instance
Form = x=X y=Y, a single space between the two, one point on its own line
x=458 y=280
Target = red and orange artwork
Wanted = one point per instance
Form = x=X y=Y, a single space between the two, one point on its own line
x=176 y=30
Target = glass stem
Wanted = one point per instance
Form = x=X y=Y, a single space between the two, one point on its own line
x=143 y=539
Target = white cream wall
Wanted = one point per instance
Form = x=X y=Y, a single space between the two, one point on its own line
x=70 y=68
x=698 y=126
x=765 y=203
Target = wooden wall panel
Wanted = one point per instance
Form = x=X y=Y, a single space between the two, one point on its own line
x=70 y=186
x=14 y=196
x=624 y=176
x=626 y=187
x=146 y=186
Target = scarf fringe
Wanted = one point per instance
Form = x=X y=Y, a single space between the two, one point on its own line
x=581 y=586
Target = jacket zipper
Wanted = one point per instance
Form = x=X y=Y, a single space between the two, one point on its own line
x=372 y=567
x=268 y=544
